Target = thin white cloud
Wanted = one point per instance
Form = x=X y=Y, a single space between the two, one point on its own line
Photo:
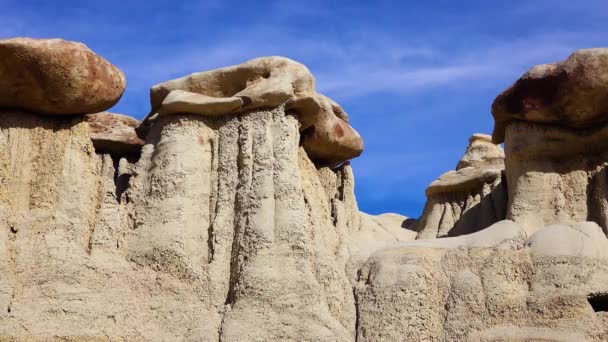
x=374 y=63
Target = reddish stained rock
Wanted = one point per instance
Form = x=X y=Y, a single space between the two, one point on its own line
x=55 y=76
x=114 y=133
x=572 y=93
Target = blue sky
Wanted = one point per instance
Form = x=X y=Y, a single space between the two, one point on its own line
x=416 y=77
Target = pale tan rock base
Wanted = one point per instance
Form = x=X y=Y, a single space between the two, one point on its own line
x=494 y=285
x=223 y=230
x=556 y=174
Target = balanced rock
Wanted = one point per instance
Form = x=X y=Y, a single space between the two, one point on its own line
x=114 y=133
x=554 y=123
x=572 y=93
x=265 y=82
x=467 y=199
x=55 y=76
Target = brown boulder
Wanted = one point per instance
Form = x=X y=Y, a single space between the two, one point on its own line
x=114 y=133
x=55 y=76
x=571 y=93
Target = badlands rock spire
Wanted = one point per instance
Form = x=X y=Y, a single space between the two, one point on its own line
x=229 y=214
x=470 y=198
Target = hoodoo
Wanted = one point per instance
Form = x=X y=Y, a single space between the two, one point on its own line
x=554 y=122
x=229 y=214
x=266 y=82
x=470 y=198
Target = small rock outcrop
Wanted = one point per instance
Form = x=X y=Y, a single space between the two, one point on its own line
x=55 y=76
x=554 y=124
x=114 y=133
x=467 y=199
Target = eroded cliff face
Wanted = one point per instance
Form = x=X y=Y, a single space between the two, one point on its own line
x=232 y=217
x=220 y=228
x=227 y=230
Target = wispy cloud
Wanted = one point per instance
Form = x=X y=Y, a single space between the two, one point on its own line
x=372 y=64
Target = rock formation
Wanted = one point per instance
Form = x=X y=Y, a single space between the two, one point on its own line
x=114 y=133
x=232 y=217
x=542 y=277
x=493 y=285
x=265 y=82
x=470 y=198
x=553 y=121
x=221 y=228
x=54 y=76
x=571 y=93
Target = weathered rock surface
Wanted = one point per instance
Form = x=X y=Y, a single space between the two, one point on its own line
x=467 y=199
x=55 y=76
x=238 y=222
x=571 y=93
x=556 y=174
x=224 y=230
x=553 y=122
x=265 y=82
x=114 y=133
x=493 y=285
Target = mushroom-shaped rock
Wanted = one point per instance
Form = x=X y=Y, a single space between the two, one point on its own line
x=571 y=93
x=55 y=76
x=114 y=133
x=265 y=82
x=482 y=153
x=469 y=198
x=554 y=123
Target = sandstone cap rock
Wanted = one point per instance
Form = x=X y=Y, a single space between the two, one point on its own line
x=572 y=93
x=482 y=162
x=260 y=82
x=481 y=152
x=114 y=133
x=55 y=76
x=264 y=82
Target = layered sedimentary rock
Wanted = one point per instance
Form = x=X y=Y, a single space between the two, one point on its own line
x=553 y=121
x=55 y=76
x=114 y=133
x=467 y=199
